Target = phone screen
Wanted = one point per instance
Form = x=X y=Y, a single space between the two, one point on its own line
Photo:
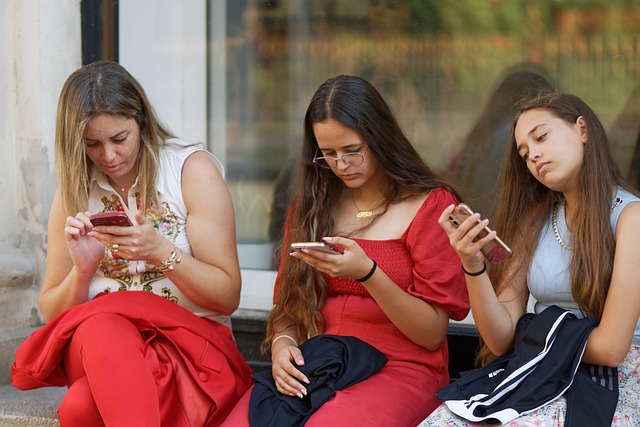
x=496 y=250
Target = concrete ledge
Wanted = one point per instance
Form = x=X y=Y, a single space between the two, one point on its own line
x=32 y=408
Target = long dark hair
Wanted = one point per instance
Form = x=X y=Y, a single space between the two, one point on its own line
x=356 y=104
x=525 y=206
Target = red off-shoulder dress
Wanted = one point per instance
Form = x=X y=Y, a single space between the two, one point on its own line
x=402 y=393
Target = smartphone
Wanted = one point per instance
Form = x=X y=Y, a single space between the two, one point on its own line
x=319 y=246
x=496 y=250
x=110 y=218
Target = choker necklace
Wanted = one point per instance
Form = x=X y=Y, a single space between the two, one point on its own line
x=361 y=214
x=554 y=225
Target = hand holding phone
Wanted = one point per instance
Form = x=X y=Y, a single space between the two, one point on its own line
x=319 y=246
x=496 y=250
x=118 y=218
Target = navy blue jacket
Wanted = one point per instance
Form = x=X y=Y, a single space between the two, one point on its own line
x=331 y=363
x=543 y=365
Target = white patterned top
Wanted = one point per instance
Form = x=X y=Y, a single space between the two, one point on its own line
x=169 y=219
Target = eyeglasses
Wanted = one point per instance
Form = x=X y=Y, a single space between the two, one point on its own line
x=350 y=159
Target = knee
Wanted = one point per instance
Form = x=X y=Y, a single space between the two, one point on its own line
x=99 y=324
x=106 y=329
x=78 y=407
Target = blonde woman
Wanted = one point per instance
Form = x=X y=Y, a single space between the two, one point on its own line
x=139 y=315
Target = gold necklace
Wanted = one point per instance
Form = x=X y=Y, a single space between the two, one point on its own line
x=361 y=213
x=554 y=214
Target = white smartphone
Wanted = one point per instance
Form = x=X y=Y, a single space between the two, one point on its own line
x=319 y=246
x=496 y=250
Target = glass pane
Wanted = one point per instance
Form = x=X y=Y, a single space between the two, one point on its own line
x=450 y=70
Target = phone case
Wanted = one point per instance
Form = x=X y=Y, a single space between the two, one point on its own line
x=320 y=246
x=110 y=218
x=496 y=250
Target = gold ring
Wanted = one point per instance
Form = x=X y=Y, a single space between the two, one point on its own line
x=115 y=247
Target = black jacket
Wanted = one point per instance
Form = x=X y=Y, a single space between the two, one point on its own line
x=331 y=363
x=543 y=365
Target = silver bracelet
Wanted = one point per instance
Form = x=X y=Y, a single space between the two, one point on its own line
x=284 y=336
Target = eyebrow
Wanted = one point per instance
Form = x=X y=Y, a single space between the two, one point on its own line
x=535 y=128
x=349 y=148
x=119 y=134
x=531 y=132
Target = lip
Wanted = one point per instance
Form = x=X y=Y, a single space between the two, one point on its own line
x=541 y=167
x=348 y=176
x=110 y=168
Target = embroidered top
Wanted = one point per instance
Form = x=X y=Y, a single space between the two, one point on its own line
x=549 y=276
x=169 y=219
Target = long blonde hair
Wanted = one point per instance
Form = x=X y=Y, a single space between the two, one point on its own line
x=103 y=87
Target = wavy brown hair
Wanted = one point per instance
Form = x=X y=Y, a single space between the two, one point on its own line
x=103 y=87
x=525 y=206
x=356 y=104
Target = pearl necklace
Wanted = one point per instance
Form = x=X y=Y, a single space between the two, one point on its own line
x=554 y=224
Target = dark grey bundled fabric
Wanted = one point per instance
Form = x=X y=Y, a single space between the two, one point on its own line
x=543 y=365
x=332 y=363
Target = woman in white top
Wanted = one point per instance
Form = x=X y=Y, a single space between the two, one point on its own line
x=112 y=154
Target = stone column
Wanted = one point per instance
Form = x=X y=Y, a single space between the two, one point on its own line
x=40 y=47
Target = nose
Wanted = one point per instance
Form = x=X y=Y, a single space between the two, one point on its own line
x=108 y=152
x=534 y=154
x=342 y=164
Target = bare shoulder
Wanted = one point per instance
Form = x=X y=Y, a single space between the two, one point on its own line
x=203 y=184
x=629 y=221
x=201 y=163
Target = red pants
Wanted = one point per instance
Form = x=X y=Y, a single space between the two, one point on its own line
x=109 y=382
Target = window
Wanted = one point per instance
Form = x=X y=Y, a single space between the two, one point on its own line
x=448 y=69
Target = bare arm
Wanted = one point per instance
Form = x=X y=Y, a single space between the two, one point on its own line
x=495 y=316
x=609 y=342
x=423 y=323
x=72 y=259
x=211 y=277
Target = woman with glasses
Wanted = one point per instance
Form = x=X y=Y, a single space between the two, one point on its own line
x=365 y=190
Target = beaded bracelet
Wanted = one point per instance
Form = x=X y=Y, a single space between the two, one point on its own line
x=484 y=268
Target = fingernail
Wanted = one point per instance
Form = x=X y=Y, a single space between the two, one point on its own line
x=300 y=362
x=299 y=395
x=304 y=391
x=485 y=221
x=306 y=381
x=328 y=239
